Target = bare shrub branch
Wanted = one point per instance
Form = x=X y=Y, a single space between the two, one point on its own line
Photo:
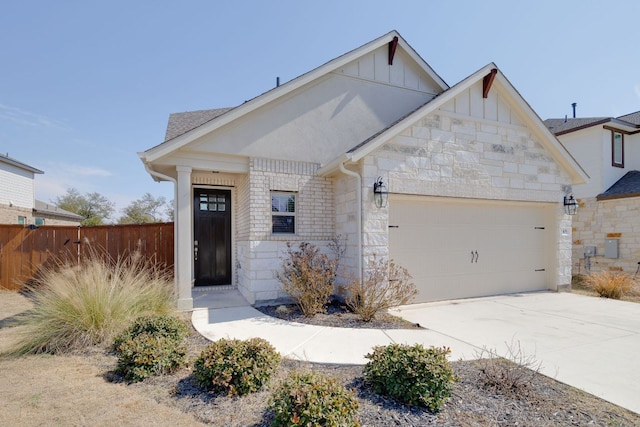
x=511 y=372
x=387 y=285
x=308 y=276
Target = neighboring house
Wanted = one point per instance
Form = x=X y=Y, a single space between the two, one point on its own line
x=17 y=198
x=475 y=180
x=606 y=228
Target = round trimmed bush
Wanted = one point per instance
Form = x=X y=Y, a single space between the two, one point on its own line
x=310 y=399
x=153 y=345
x=411 y=374
x=158 y=326
x=147 y=354
x=237 y=367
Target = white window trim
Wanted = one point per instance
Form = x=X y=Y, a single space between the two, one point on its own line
x=288 y=214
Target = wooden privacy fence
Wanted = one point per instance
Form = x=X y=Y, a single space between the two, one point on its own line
x=23 y=251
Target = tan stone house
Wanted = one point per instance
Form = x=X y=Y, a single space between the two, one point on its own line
x=463 y=185
x=17 y=198
x=606 y=227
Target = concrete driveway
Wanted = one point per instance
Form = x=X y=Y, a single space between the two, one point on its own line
x=590 y=343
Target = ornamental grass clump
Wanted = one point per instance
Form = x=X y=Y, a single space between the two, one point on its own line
x=308 y=276
x=411 y=374
x=153 y=345
x=609 y=284
x=236 y=367
x=312 y=399
x=77 y=306
x=387 y=285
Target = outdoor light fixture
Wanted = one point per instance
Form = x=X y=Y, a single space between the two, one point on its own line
x=380 y=193
x=570 y=205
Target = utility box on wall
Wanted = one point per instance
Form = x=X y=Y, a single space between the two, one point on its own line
x=611 y=248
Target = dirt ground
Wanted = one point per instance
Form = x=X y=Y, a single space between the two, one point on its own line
x=68 y=390
x=82 y=389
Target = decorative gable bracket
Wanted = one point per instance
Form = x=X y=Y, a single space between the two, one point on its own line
x=487 y=82
x=393 y=44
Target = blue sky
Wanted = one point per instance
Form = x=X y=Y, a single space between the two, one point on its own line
x=85 y=85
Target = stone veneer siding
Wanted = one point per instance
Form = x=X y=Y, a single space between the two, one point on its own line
x=597 y=221
x=446 y=155
x=260 y=252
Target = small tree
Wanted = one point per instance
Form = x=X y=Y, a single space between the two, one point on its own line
x=144 y=210
x=93 y=207
x=387 y=285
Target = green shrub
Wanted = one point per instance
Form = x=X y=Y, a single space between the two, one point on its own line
x=159 y=326
x=153 y=345
x=147 y=354
x=411 y=374
x=387 y=285
x=236 y=366
x=308 y=276
x=76 y=306
x=609 y=284
x=310 y=399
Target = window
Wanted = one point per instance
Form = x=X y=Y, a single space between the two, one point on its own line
x=617 y=149
x=283 y=213
x=39 y=221
x=22 y=220
x=213 y=202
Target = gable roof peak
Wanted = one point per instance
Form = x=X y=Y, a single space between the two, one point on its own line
x=180 y=135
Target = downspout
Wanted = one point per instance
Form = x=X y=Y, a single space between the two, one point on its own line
x=359 y=216
x=175 y=214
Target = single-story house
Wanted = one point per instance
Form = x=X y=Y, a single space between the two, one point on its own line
x=470 y=182
x=606 y=228
x=18 y=204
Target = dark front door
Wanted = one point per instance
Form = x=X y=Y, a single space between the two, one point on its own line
x=212 y=236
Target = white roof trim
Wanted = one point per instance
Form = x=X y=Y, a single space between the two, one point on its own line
x=556 y=149
x=180 y=141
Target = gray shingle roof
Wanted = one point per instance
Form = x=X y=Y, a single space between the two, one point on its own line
x=181 y=123
x=46 y=208
x=13 y=162
x=631 y=118
x=627 y=186
x=560 y=126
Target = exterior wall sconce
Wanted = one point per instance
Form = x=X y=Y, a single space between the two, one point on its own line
x=380 y=193
x=570 y=205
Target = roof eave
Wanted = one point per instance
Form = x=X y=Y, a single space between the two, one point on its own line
x=601 y=197
x=559 y=152
x=432 y=105
x=167 y=147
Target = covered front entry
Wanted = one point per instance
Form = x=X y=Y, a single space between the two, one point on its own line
x=212 y=236
x=460 y=249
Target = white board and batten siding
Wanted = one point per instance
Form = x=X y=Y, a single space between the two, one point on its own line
x=403 y=73
x=461 y=249
x=18 y=186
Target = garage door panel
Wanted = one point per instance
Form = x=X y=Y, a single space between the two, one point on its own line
x=437 y=242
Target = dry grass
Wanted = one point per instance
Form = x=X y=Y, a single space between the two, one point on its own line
x=607 y=284
x=78 y=390
x=79 y=306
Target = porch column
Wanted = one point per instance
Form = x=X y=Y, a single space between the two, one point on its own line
x=184 y=250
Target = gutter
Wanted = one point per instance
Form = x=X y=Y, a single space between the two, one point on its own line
x=359 y=216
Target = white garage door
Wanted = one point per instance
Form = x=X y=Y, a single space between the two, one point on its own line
x=461 y=249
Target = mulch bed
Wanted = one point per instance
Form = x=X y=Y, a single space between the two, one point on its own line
x=542 y=401
x=337 y=315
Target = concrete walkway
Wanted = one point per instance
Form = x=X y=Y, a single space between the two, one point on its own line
x=590 y=343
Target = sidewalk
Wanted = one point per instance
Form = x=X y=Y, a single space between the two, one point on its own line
x=589 y=343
